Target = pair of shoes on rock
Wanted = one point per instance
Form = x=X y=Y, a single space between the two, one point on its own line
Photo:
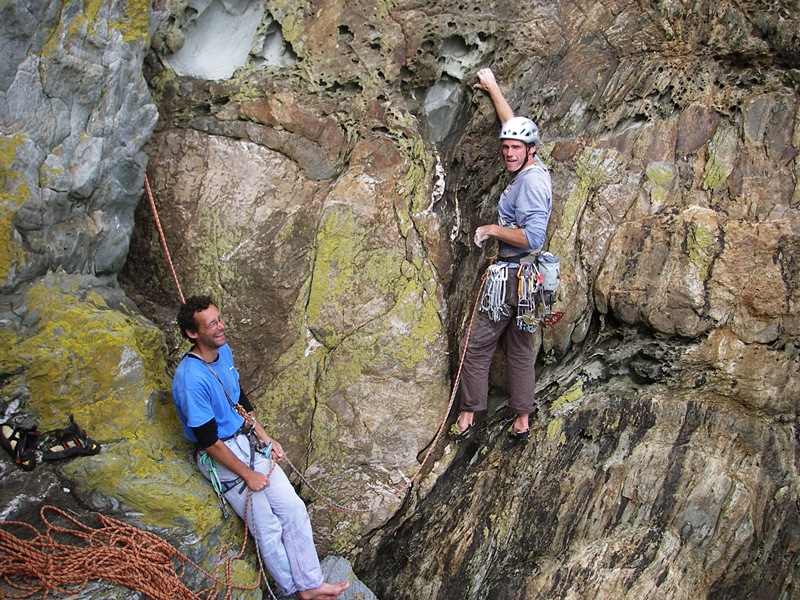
x=457 y=435
x=20 y=442
x=71 y=441
x=520 y=437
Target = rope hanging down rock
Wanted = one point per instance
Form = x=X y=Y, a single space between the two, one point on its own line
x=162 y=238
x=355 y=511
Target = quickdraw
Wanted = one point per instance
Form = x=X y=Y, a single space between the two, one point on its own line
x=493 y=300
x=537 y=288
x=527 y=287
x=211 y=465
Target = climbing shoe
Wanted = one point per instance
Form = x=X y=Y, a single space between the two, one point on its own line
x=457 y=435
x=20 y=442
x=520 y=437
x=71 y=441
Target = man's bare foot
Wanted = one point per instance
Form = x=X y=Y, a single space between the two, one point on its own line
x=327 y=591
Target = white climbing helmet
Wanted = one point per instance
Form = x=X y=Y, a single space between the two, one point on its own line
x=521 y=129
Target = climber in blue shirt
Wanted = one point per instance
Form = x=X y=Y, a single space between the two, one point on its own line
x=221 y=421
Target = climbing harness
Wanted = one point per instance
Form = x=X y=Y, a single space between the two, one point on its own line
x=493 y=299
x=537 y=276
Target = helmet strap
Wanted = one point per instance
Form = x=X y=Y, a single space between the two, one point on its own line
x=528 y=158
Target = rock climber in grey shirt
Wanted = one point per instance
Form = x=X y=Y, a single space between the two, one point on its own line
x=523 y=213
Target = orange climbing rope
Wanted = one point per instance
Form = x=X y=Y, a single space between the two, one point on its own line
x=66 y=557
x=162 y=238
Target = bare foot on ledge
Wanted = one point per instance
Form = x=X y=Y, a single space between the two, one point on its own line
x=327 y=591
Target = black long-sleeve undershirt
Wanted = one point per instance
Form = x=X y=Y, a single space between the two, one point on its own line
x=207 y=434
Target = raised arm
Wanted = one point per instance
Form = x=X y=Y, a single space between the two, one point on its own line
x=488 y=84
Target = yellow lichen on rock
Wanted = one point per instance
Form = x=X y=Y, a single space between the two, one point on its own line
x=134 y=24
x=574 y=392
x=702 y=243
x=13 y=192
x=80 y=356
x=722 y=152
x=555 y=430
x=83 y=352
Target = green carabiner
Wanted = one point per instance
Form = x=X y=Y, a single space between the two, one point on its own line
x=215 y=482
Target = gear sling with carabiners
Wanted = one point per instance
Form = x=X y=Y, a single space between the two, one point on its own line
x=538 y=278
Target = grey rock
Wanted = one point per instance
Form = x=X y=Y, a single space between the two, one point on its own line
x=334 y=570
x=441 y=105
x=84 y=105
x=217 y=39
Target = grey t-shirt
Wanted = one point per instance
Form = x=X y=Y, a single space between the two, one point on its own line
x=527 y=203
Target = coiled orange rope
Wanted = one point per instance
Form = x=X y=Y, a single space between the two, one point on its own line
x=66 y=557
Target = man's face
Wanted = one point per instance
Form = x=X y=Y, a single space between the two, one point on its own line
x=210 y=328
x=514 y=153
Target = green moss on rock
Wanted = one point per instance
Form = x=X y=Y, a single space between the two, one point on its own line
x=574 y=392
x=722 y=151
x=342 y=267
x=220 y=239
x=79 y=350
x=134 y=22
x=595 y=169
x=660 y=174
x=658 y=194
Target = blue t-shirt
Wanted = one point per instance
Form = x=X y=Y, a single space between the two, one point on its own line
x=527 y=203
x=199 y=396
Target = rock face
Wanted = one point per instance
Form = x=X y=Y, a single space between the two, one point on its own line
x=321 y=171
x=665 y=460
x=74 y=112
x=333 y=308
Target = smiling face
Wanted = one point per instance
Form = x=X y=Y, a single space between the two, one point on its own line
x=515 y=154
x=210 y=334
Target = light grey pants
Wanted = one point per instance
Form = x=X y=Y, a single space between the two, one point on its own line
x=278 y=520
